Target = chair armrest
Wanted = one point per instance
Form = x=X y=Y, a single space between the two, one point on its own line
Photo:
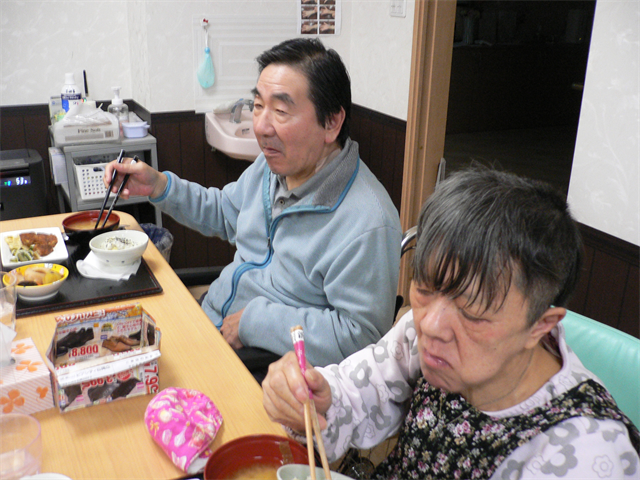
x=198 y=275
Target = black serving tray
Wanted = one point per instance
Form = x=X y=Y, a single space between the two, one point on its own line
x=78 y=291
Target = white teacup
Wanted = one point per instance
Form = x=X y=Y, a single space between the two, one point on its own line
x=295 y=471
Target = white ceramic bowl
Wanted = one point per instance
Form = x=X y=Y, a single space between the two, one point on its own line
x=37 y=293
x=127 y=255
x=302 y=472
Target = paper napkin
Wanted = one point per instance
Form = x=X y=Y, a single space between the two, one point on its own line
x=92 y=267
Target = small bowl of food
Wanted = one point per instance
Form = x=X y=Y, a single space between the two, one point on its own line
x=38 y=281
x=80 y=227
x=122 y=247
x=254 y=456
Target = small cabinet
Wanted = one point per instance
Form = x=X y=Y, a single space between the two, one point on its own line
x=94 y=155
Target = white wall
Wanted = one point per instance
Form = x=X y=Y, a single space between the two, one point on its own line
x=41 y=40
x=151 y=49
x=380 y=57
x=605 y=179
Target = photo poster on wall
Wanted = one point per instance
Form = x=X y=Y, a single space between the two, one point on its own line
x=319 y=17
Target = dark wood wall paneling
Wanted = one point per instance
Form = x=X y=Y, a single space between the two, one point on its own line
x=381 y=140
x=609 y=286
x=183 y=149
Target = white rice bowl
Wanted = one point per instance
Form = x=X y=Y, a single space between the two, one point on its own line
x=120 y=247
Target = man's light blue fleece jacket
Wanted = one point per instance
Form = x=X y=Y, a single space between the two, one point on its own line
x=329 y=263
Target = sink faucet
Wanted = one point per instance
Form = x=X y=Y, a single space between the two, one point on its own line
x=236 y=110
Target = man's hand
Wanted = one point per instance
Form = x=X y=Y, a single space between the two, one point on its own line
x=143 y=181
x=230 y=329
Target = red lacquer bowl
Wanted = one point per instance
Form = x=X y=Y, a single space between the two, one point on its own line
x=253 y=450
x=79 y=226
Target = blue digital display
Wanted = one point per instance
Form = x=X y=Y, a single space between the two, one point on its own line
x=16 y=181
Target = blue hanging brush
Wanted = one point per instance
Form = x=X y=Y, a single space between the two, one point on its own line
x=205 y=73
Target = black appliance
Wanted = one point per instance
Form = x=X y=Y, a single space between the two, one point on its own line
x=23 y=187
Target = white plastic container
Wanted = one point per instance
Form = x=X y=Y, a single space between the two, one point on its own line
x=135 y=129
x=70 y=94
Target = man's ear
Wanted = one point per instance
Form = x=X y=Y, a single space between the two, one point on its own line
x=333 y=125
x=547 y=321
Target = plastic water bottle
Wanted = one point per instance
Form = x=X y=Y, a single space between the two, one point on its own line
x=71 y=94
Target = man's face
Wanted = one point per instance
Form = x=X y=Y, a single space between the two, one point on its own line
x=286 y=126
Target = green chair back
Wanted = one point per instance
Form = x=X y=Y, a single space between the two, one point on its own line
x=613 y=356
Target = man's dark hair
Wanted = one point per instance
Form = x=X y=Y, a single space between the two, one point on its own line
x=483 y=230
x=329 y=83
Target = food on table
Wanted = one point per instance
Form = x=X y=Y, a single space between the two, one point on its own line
x=257 y=472
x=37 y=276
x=43 y=243
x=90 y=224
x=118 y=243
x=29 y=246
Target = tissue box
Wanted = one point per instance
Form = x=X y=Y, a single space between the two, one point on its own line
x=25 y=385
x=71 y=132
x=99 y=356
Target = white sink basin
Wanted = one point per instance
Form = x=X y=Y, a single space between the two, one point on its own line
x=236 y=140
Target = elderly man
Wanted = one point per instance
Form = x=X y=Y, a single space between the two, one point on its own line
x=317 y=236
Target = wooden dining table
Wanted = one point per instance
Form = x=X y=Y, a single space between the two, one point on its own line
x=110 y=441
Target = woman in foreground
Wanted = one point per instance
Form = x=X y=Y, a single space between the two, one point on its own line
x=477 y=379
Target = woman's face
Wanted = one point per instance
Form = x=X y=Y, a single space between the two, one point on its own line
x=466 y=350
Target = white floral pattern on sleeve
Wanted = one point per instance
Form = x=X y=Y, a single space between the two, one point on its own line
x=372 y=389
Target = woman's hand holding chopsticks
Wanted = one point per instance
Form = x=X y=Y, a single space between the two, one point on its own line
x=144 y=180
x=311 y=423
x=285 y=392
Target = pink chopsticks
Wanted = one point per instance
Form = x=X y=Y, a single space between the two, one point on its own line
x=310 y=414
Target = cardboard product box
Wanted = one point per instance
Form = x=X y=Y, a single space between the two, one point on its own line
x=25 y=385
x=99 y=356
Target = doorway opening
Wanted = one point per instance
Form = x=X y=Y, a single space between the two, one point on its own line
x=517 y=74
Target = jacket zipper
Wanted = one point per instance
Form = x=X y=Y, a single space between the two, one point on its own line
x=245 y=267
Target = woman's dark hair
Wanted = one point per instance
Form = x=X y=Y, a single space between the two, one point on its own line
x=329 y=83
x=484 y=230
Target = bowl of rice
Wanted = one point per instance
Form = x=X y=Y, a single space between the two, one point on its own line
x=120 y=247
